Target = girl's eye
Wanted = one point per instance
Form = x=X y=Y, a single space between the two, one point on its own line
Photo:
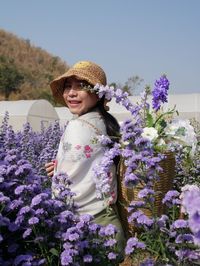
x=67 y=86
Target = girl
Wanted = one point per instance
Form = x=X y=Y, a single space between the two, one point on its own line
x=78 y=153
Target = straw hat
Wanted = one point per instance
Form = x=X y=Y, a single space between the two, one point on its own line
x=83 y=70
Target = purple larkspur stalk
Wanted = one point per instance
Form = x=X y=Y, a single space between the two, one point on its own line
x=160 y=92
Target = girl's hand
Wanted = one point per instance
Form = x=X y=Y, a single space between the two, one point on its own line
x=50 y=168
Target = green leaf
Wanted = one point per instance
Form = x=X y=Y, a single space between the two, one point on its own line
x=149 y=121
x=54 y=252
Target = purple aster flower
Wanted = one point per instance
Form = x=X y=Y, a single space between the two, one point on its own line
x=171 y=198
x=106 y=91
x=134 y=205
x=39 y=211
x=104 y=140
x=38 y=198
x=134 y=215
x=187 y=253
x=112 y=256
x=87 y=258
x=149 y=262
x=132 y=244
x=71 y=234
x=85 y=218
x=22 y=258
x=162 y=221
x=184 y=238
x=131 y=180
x=19 y=189
x=94 y=227
x=24 y=210
x=144 y=220
x=110 y=242
x=110 y=230
x=179 y=224
x=33 y=220
x=15 y=204
x=27 y=232
x=145 y=193
x=66 y=258
x=160 y=92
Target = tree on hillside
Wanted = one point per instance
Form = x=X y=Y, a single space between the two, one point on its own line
x=132 y=84
x=10 y=77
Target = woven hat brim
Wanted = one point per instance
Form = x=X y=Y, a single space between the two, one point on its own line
x=58 y=83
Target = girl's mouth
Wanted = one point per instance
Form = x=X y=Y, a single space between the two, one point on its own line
x=73 y=102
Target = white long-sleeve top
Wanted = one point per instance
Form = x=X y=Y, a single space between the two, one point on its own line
x=78 y=154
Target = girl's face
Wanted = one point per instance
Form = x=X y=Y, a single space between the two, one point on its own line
x=78 y=100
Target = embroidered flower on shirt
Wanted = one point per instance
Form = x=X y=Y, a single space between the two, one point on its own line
x=78 y=147
x=67 y=146
x=87 y=151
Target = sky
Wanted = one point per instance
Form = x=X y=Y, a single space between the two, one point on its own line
x=146 y=38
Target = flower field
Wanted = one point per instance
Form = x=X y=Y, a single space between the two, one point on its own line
x=36 y=229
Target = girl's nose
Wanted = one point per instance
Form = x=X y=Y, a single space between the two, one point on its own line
x=72 y=91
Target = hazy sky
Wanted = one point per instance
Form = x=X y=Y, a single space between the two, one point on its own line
x=126 y=37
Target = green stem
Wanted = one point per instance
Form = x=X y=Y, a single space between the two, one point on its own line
x=162 y=115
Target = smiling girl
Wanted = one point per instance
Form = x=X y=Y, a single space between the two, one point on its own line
x=78 y=153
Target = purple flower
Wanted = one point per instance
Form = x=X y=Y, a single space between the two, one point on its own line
x=38 y=198
x=149 y=262
x=171 y=198
x=33 y=220
x=132 y=244
x=106 y=91
x=187 y=253
x=66 y=258
x=162 y=221
x=20 y=189
x=160 y=92
x=144 y=220
x=87 y=258
x=134 y=205
x=110 y=242
x=22 y=258
x=145 y=193
x=85 y=218
x=182 y=238
x=110 y=230
x=131 y=180
x=27 y=233
x=112 y=256
x=24 y=210
x=179 y=224
x=71 y=234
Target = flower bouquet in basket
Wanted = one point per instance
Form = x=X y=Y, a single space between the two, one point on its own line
x=148 y=206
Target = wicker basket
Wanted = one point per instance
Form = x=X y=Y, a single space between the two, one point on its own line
x=126 y=195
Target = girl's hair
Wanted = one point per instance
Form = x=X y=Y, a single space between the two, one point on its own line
x=112 y=126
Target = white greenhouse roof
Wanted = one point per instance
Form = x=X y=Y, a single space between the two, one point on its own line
x=64 y=115
x=188 y=106
x=32 y=111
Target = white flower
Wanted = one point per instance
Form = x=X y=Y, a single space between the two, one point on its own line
x=181 y=131
x=161 y=142
x=150 y=133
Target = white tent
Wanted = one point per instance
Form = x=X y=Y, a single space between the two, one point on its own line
x=33 y=111
x=188 y=106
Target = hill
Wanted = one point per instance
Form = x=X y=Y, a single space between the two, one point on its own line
x=34 y=66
